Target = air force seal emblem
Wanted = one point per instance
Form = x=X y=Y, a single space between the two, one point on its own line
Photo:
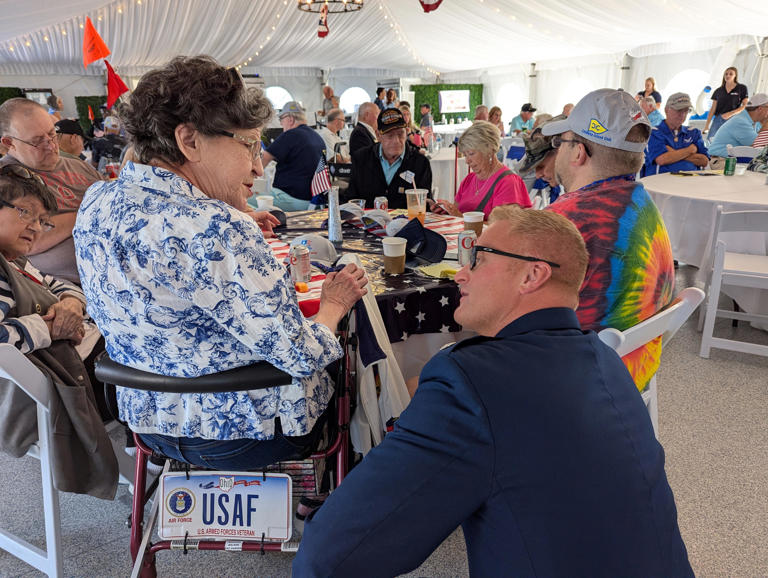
x=180 y=502
x=596 y=127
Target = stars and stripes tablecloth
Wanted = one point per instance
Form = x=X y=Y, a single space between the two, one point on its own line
x=411 y=303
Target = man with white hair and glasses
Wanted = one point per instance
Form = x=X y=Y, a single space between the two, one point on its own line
x=28 y=131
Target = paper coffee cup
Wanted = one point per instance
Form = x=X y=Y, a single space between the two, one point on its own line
x=394 y=255
x=473 y=220
x=265 y=201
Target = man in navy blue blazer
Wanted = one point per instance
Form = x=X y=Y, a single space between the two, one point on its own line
x=531 y=436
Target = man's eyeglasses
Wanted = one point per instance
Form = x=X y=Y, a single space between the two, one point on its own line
x=253 y=144
x=46 y=140
x=29 y=217
x=21 y=172
x=476 y=248
x=557 y=140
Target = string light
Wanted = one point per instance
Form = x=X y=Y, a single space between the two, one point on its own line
x=272 y=29
x=402 y=39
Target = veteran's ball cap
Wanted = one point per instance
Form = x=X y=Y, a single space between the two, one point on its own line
x=390 y=119
x=527 y=107
x=604 y=117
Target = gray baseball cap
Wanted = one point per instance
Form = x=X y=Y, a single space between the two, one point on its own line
x=679 y=101
x=759 y=99
x=604 y=117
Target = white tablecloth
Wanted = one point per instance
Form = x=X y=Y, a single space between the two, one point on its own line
x=442 y=163
x=688 y=206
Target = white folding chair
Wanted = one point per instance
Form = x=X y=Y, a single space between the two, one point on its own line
x=732 y=268
x=17 y=369
x=665 y=323
x=742 y=151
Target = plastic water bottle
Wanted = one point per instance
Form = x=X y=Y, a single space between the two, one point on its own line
x=438 y=142
x=335 y=235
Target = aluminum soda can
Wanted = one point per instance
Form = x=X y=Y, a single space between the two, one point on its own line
x=467 y=240
x=730 y=166
x=381 y=203
x=300 y=265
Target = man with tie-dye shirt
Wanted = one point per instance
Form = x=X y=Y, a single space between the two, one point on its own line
x=630 y=275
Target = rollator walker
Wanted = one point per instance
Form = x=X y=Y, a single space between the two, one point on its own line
x=179 y=495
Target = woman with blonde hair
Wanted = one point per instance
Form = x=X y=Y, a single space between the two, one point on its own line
x=412 y=131
x=494 y=117
x=650 y=90
x=489 y=184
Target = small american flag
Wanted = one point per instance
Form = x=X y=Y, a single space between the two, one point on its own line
x=321 y=182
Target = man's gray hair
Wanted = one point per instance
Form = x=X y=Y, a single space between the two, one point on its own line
x=194 y=90
x=367 y=108
x=13 y=106
x=649 y=100
x=482 y=136
x=334 y=114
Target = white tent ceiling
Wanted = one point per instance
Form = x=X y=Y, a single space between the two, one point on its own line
x=391 y=36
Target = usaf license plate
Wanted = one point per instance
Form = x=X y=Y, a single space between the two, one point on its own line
x=225 y=506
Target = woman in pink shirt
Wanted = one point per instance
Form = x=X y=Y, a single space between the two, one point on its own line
x=490 y=183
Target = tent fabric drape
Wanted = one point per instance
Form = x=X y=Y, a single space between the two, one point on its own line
x=385 y=34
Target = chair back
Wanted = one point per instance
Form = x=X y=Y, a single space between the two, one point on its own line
x=742 y=153
x=22 y=373
x=665 y=323
x=731 y=222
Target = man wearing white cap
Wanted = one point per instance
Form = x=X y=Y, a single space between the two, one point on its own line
x=672 y=146
x=631 y=274
x=740 y=129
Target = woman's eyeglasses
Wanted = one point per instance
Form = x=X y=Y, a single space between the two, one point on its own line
x=476 y=248
x=25 y=215
x=253 y=144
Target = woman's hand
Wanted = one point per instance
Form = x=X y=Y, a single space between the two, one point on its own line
x=446 y=208
x=265 y=220
x=340 y=291
x=65 y=320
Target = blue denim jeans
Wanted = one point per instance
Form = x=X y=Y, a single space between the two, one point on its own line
x=714 y=126
x=243 y=454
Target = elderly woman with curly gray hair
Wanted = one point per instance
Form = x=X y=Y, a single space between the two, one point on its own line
x=489 y=184
x=181 y=282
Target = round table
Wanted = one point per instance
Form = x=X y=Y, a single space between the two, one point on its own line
x=688 y=206
x=442 y=163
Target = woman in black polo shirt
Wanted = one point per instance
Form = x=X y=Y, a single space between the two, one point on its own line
x=728 y=100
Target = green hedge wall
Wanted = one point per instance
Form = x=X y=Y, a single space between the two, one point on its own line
x=429 y=93
x=7 y=92
x=82 y=102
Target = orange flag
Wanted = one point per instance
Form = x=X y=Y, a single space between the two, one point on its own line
x=90 y=113
x=115 y=85
x=93 y=46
